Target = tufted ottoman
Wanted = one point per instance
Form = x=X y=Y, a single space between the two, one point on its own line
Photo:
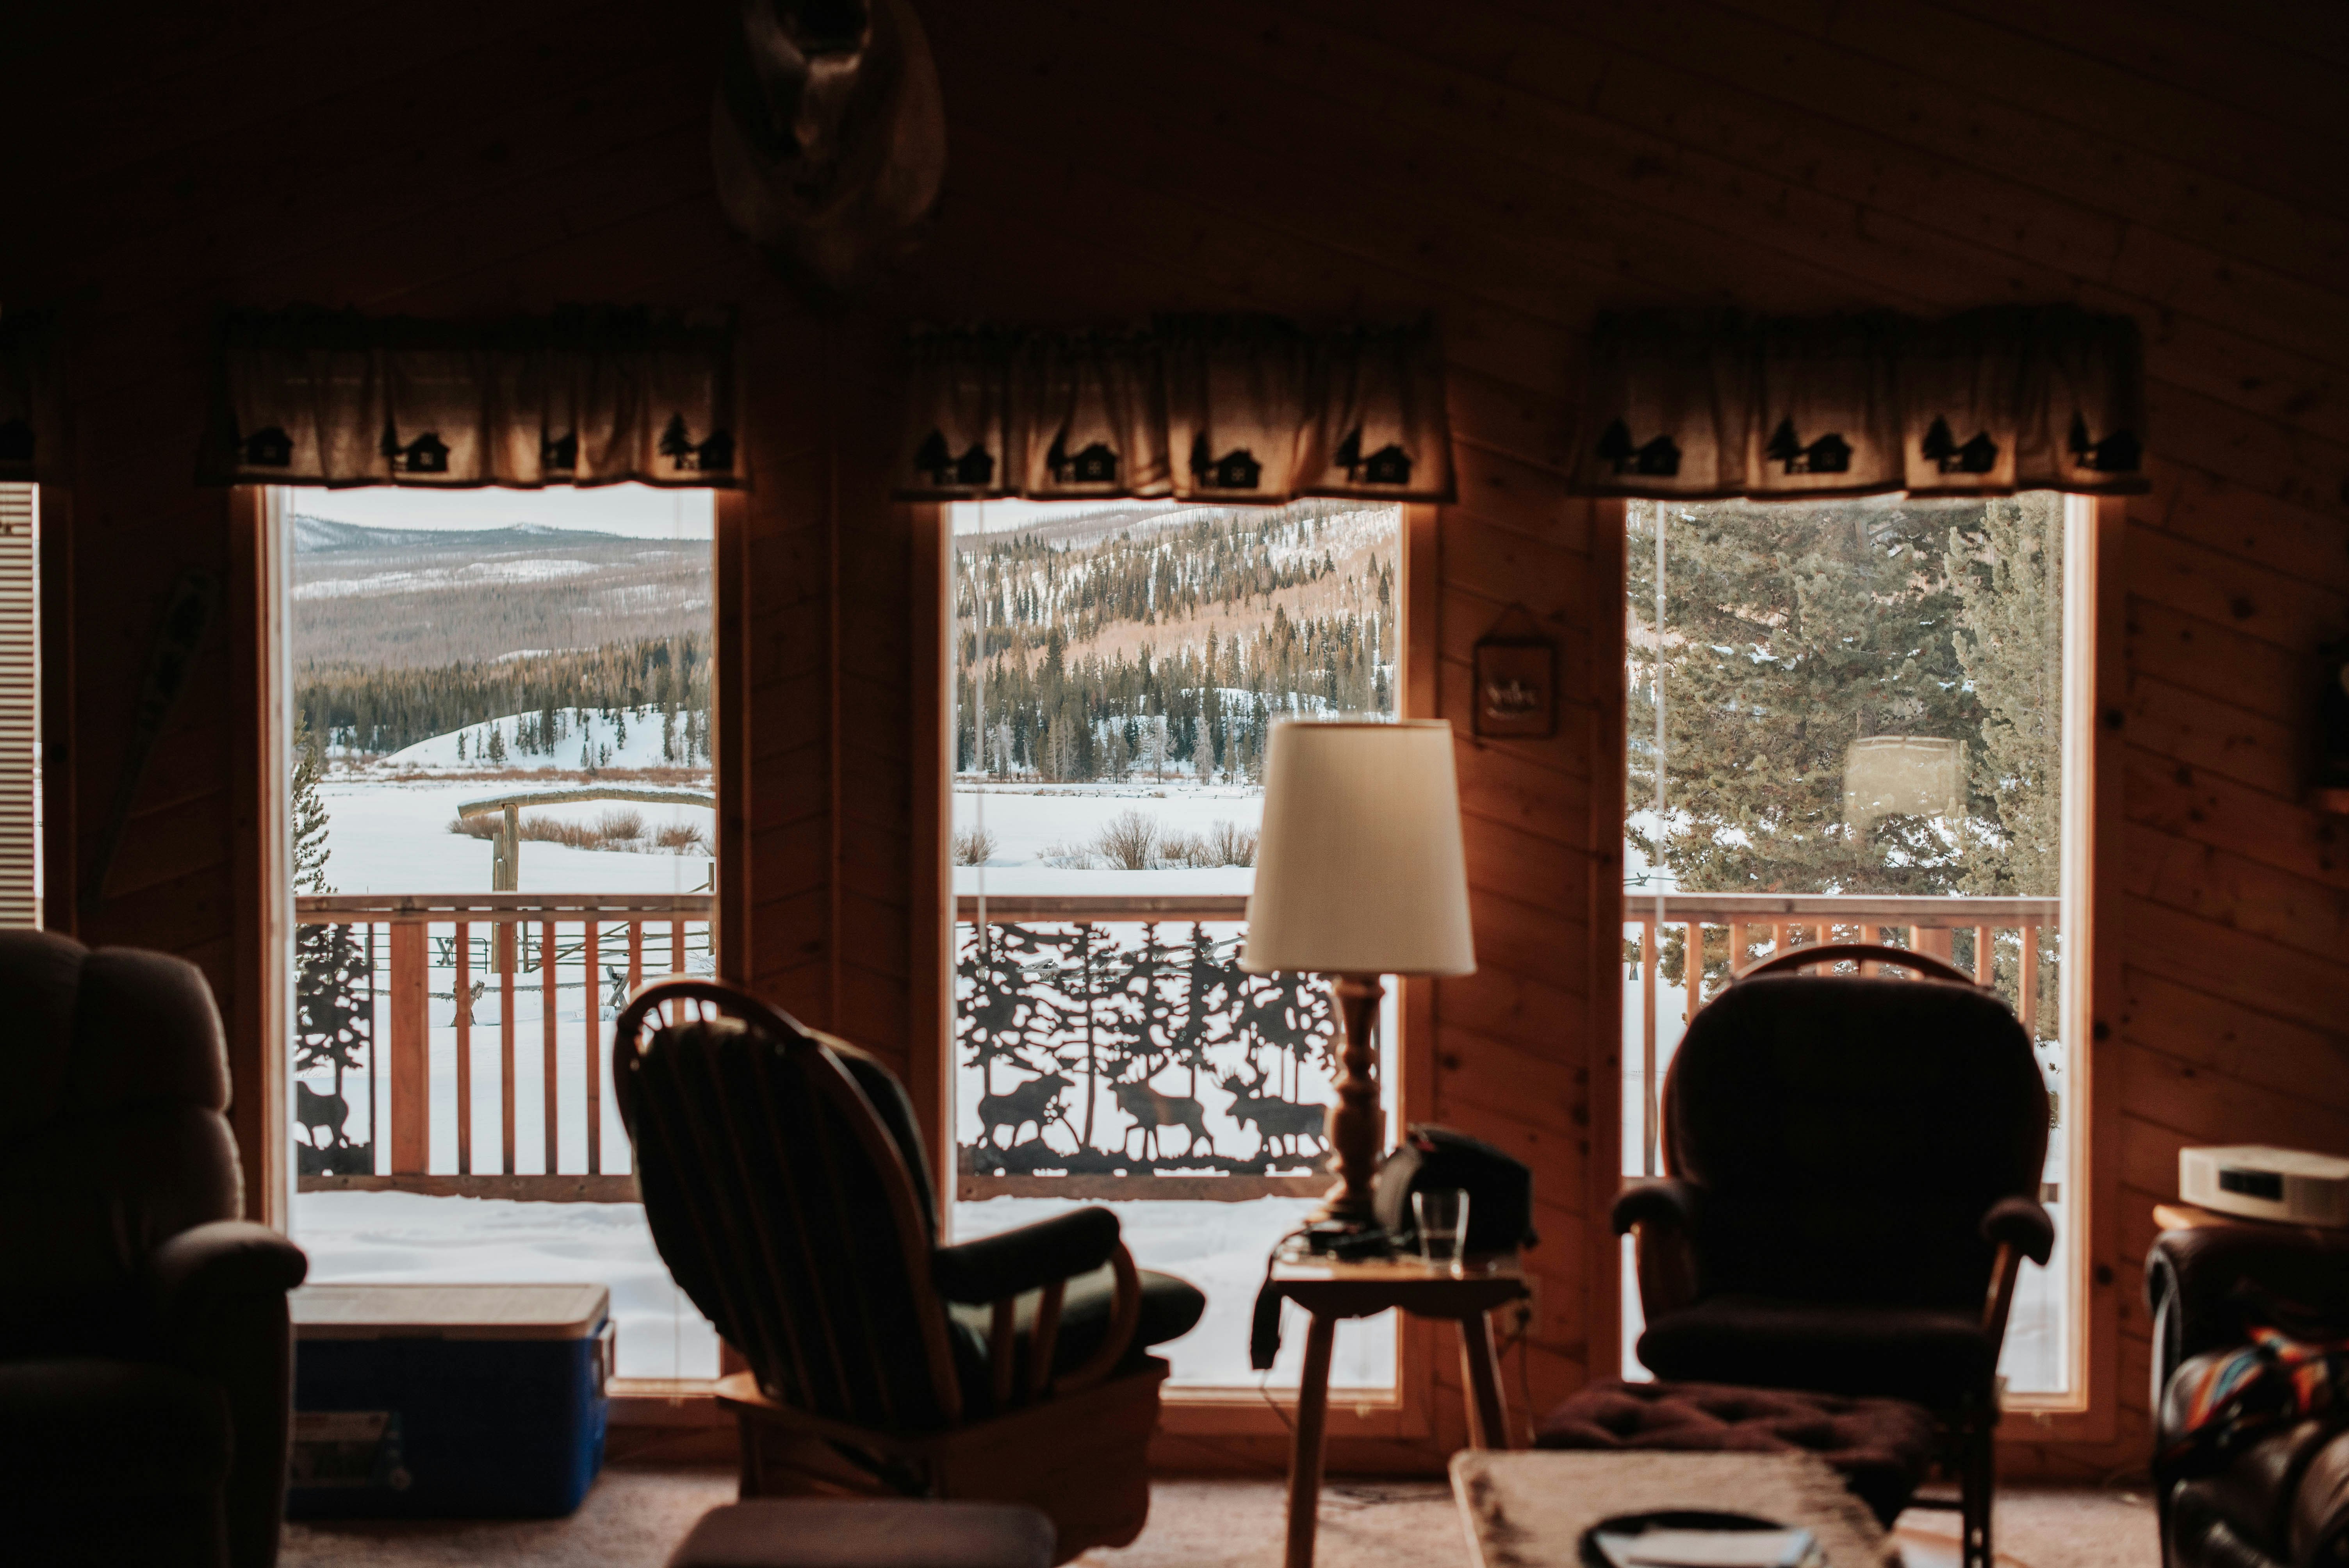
x=1882 y=1448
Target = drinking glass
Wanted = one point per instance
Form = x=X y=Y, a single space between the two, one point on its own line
x=1442 y=1214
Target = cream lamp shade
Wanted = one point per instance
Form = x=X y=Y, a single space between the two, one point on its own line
x=1360 y=869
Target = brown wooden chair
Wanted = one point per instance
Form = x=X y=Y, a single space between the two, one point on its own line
x=784 y=1180
x=1854 y=1166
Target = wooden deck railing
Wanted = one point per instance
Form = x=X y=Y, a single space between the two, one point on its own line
x=2002 y=940
x=431 y=966
x=431 y=963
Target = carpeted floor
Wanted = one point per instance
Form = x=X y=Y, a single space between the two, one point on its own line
x=637 y=1512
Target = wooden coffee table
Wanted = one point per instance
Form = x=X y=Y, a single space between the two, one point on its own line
x=1529 y=1510
x=1329 y=1290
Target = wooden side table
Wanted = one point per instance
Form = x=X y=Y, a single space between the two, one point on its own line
x=1328 y=1290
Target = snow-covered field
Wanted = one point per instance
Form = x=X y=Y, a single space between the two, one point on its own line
x=1031 y=819
x=388 y=820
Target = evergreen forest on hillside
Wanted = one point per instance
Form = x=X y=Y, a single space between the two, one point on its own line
x=421 y=599
x=369 y=708
x=1172 y=648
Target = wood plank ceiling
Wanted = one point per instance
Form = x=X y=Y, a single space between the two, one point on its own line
x=1510 y=166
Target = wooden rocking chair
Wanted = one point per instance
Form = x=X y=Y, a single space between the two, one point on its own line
x=784 y=1180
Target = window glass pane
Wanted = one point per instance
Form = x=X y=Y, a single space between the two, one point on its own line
x=1858 y=704
x=1108 y=749
x=454 y=651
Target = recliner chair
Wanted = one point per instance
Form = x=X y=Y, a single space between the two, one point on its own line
x=2282 y=1498
x=785 y=1185
x=145 y=1357
x=1855 y=1165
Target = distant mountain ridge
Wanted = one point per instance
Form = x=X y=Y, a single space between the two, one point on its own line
x=314 y=535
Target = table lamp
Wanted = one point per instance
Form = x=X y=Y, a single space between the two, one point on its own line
x=1359 y=875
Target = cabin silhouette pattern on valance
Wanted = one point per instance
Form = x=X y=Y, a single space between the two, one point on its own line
x=584 y=397
x=1995 y=400
x=32 y=408
x=1208 y=408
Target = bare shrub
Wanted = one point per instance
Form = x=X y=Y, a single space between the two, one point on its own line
x=1229 y=843
x=618 y=829
x=1128 y=842
x=1178 y=849
x=681 y=839
x=1220 y=844
x=545 y=830
x=973 y=846
x=1061 y=858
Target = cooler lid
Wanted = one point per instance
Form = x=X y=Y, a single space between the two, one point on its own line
x=449 y=1310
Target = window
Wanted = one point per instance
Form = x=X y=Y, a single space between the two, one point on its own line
x=503 y=821
x=20 y=706
x=1864 y=718
x=1116 y=668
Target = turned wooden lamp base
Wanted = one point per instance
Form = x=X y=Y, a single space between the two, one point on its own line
x=1356 y=1124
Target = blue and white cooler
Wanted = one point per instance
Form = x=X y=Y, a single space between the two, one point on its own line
x=448 y=1400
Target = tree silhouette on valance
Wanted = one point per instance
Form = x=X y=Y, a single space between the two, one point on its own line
x=1691 y=406
x=583 y=396
x=1233 y=409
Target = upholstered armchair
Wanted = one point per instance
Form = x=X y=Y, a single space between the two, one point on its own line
x=1853 y=1184
x=145 y=1360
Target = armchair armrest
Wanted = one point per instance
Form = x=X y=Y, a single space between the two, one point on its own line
x=1029 y=1258
x=206 y=1263
x=1665 y=1212
x=1666 y=1202
x=218 y=1294
x=2021 y=1223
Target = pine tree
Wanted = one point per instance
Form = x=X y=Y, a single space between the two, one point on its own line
x=310 y=848
x=2009 y=576
x=1791 y=631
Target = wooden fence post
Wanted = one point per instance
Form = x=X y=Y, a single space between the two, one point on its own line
x=411 y=1052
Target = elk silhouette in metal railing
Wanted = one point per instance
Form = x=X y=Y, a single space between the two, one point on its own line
x=334 y=1009
x=1110 y=1006
x=322 y=1116
x=1152 y=1112
x=1275 y=1119
x=1038 y=1100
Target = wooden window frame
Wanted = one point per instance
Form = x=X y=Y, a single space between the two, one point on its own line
x=1373 y=1422
x=260 y=1001
x=260 y=1016
x=2095 y=661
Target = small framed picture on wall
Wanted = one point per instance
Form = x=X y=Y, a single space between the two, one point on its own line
x=1516 y=689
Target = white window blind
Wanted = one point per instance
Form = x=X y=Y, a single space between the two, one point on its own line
x=20 y=688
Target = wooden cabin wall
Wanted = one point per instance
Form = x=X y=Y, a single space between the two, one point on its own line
x=1508 y=166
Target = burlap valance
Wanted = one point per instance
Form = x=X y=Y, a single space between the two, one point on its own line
x=32 y=408
x=1198 y=409
x=584 y=397
x=1994 y=400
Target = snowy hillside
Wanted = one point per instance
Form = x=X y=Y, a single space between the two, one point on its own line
x=582 y=737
